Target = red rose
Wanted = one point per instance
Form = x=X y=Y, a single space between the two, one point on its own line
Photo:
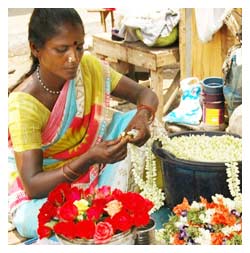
x=133 y=201
x=94 y=212
x=74 y=194
x=66 y=229
x=68 y=211
x=44 y=231
x=117 y=194
x=122 y=221
x=57 y=196
x=103 y=232
x=141 y=218
x=85 y=229
x=148 y=204
x=46 y=213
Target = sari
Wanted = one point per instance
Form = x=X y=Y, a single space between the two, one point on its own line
x=78 y=121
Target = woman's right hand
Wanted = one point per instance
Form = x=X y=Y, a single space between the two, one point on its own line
x=110 y=151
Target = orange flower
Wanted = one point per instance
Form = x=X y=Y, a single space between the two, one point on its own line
x=223 y=218
x=177 y=241
x=184 y=206
x=217 y=238
x=204 y=201
x=222 y=215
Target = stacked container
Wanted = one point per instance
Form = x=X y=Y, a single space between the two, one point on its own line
x=212 y=98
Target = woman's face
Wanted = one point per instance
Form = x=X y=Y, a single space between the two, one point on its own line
x=66 y=44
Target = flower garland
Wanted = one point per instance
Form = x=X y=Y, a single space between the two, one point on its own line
x=233 y=181
x=148 y=186
x=144 y=167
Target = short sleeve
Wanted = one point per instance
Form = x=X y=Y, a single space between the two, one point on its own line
x=26 y=118
x=95 y=67
x=115 y=78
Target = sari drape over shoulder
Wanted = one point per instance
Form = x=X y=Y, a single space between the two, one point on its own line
x=77 y=122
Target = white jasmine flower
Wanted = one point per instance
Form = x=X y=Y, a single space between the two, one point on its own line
x=196 y=205
x=204 y=238
x=229 y=229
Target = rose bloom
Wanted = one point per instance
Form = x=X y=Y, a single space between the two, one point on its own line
x=46 y=213
x=113 y=207
x=67 y=229
x=94 y=213
x=57 y=196
x=103 y=232
x=74 y=194
x=44 y=231
x=122 y=221
x=85 y=229
x=68 y=211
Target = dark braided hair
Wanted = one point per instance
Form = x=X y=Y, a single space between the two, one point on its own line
x=43 y=25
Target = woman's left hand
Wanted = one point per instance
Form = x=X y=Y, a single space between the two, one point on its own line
x=140 y=123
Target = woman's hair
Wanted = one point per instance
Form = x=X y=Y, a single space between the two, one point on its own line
x=43 y=25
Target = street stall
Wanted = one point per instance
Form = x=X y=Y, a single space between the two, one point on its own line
x=183 y=186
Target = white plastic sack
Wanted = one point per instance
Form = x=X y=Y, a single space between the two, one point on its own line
x=209 y=21
x=189 y=110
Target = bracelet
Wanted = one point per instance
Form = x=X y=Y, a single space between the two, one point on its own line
x=67 y=176
x=72 y=171
x=148 y=108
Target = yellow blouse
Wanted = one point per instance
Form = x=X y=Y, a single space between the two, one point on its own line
x=27 y=116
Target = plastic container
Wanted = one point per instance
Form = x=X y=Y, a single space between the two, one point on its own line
x=213 y=113
x=212 y=85
x=212 y=97
x=191 y=179
x=213 y=109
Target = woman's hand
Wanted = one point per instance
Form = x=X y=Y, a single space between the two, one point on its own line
x=110 y=151
x=140 y=123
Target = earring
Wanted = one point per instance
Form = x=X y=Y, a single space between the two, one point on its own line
x=70 y=59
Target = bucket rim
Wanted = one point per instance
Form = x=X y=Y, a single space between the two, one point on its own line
x=212 y=77
x=172 y=158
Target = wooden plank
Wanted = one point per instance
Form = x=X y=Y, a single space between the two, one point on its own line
x=182 y=41
x=172 y=93
x=112 y=50
x=142 y=59
x=103 y=44
x=157 y=86
x=206 y=57
x=170 y=57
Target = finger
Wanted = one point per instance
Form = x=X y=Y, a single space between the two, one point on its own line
x=120 y=156
x=113 y=142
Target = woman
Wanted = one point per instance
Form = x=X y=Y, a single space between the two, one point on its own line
x=58 y=116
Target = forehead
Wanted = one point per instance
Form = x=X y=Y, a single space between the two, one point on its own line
x=67 y=34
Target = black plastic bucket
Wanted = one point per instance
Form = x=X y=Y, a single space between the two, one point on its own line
x=191 y=179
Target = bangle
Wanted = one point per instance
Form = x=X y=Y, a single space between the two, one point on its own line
x=148 y=108
x=67 y=176
x=72 y=171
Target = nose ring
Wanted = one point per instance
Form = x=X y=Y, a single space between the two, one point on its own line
x=70 y=59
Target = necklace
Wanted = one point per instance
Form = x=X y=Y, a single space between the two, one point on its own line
x=43 y=85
